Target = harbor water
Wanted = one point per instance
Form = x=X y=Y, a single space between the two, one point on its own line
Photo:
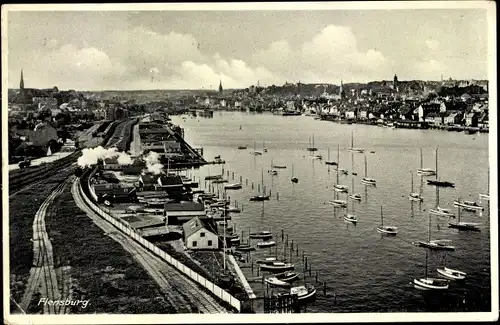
x=364 y=271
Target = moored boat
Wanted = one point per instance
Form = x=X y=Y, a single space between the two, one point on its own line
x=351 y=218
x=234 y=186
x=266 y=244
x=451 y=273
x=387 y=230
x=341 y=188
x=242 y=147
x=288 y=276
x=468 y=205
x=261 y=235
x=245 y=248
x=304 y=292
x=276 y=282
x=441 y=212
x=431 y=284
x=277 y=266
x=338 y=203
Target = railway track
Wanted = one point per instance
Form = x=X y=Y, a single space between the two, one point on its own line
x=43 y=276
x=183 y=294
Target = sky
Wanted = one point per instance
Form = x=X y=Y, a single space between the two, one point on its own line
x=128 y=50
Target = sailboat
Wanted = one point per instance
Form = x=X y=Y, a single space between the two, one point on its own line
x=312 y=148
x=389 y=230
x=451 y=273
x=424 y=171
x=352 y=145
x=436 y=244
x=427 y=283
x=255 y=152
x=353 y=195
x=340 y=170
x=366 y=180
x=294 y=179
x=272 y=171
x=465 y=226
x=413 y=195
x=350 y=217
x=330 y=162
x=437 y=182
x=438 y=211
x=338 y=187
x=468 y=205
x=261 y=196
x=486 y=196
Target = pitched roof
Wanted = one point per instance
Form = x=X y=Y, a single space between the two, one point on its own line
x=148 y=179
x=192 y=226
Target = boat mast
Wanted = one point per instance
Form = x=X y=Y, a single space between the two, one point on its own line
x=352 y=139
x=437 y=163
x=262 y=186
x=329 y=160
x=365 y=168
x=338 y=162
x=426 y=254
x=421 y=159
x=429 y=227
x=411 y=182
x=381 y=216
x=458 y=212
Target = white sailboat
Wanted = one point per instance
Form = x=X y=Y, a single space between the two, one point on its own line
x=366 y=180
x=464 y=226
x=353 y=195
x=428 y=283
x=451 y=273
x=438 y=211
x=350 y=217
x=437 y=244
x=424 y=171
x=255 y=152
x=338 y=187
x=413 y=195
x=389 y=230
x=468 y=205
x=360 y=150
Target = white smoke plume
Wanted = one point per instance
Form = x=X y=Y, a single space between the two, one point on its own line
x=90 y=156
x=153 y=164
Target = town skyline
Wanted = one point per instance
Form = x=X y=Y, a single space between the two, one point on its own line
x=175 y=50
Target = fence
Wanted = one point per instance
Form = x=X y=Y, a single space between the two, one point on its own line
x=211 y=287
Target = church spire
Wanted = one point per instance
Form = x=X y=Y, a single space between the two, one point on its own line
x=21 y=84
x=220 y=87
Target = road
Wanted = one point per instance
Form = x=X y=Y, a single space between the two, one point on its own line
x=182 y=293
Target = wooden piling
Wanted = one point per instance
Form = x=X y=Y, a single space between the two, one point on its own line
x=305 y=264
x=282 y=234
x=291 y=246
x=233 y=175
x=316 y=276
x=324 y=290
x=277 y=196
x=297 y=250
x=252 y=185
x=258 y=270
x=309 y=270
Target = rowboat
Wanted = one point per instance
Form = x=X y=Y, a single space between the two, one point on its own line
x=288 y=276
x=303 y=293
x=276 y=282
x=261 y=235
x=235 y=186
x=265 y=244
